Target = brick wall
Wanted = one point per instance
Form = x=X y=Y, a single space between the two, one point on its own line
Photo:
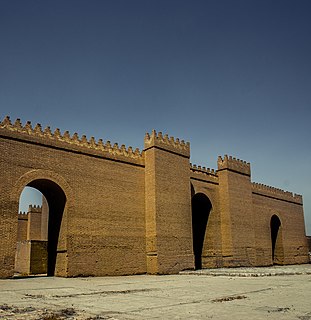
x=22 y=226
x=103 y=225
x=116 y=211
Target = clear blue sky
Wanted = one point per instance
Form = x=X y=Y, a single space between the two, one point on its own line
x=231 y=77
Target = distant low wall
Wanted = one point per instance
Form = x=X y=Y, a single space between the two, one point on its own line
x=31 y=257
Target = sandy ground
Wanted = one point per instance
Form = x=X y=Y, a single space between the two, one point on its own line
x=239 y=293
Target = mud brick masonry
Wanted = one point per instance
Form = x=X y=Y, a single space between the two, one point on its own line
x=117 y=211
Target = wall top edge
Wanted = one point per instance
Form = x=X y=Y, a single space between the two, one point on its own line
x=46 y=136
x=276 y=192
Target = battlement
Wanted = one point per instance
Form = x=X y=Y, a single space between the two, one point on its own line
x=204 y=170
x=232 y=164
x=35 y=208
x=167 y=143
x=23 y=215
x=203 y=173
x=56 y=138
x=265 y=190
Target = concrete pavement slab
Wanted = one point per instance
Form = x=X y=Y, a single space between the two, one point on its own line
x=190 y=295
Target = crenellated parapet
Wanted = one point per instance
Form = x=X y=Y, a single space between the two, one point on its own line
x=167 y=143
x=35 y=208
x=232 y=164
x=273 y=192
x=71 y=142
x=203 y=173
x=23 y=215
x=203 y=170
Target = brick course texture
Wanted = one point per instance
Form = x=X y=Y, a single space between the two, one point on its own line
x=118 y=211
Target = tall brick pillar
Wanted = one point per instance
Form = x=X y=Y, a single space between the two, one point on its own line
x=237 y=224
x=168 y=205
x=34 y=223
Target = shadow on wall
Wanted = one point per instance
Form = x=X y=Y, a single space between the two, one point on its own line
x=276 y=240
x=201 y=207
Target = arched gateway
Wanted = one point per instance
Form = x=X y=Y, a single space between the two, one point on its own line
x=59 y=197
x=119 y=211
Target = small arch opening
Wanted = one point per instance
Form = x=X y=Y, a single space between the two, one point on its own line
x=276 y=240
x=201 y=208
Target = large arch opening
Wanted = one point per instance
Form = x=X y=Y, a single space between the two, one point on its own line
x=276 y=239
x=201 y=208
x=39 y=230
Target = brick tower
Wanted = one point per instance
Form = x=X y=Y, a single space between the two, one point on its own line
x=168 y=204
x=235 y=194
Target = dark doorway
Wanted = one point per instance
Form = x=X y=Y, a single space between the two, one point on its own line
x=56 y=201
x=275 y=224
x=201 y=207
